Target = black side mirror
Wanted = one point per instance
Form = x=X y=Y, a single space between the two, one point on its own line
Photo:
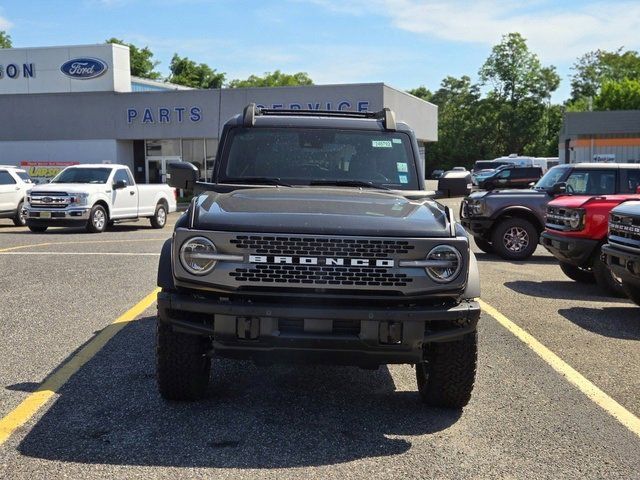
x=182 y=175
x=119 y=185
x=558 y=188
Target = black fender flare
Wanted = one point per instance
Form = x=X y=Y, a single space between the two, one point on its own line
x=511 y=210
x=165 y=268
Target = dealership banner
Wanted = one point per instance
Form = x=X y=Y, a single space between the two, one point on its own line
x=42 y=172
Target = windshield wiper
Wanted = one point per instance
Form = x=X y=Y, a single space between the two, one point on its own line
x=349 y=183
x=258 y=180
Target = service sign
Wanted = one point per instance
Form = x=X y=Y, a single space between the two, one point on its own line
x=43 y=172
x=84 y=68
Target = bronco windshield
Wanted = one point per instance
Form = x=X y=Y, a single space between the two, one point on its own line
x=312 y=156
x=553 y=176
x=83 y=175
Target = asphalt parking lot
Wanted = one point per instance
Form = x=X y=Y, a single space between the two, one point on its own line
x=529 y=417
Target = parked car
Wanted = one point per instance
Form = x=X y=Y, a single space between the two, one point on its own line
x=510 y=176
x=436 y=174
x=509 y=222
x=14 y=183
x=95 y=196
x=455 y=183
x=622 y=252
x=576 y=230
x=342 y=269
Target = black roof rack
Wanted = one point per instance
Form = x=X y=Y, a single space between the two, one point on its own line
x=387 y=115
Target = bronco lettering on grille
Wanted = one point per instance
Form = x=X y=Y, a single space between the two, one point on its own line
x=329 y=261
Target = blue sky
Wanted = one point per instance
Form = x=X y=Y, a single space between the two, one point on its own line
x=405 y=43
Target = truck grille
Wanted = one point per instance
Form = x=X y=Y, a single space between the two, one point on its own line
x=321 y=275
x=50 y=199
x=625 y=230
x=332 y=247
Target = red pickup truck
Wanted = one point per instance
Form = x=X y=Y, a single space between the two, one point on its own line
x=576 y=228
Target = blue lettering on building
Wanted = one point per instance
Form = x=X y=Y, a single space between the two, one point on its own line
x=164 y=115
x=180 y=113
x=195 y=114
x=148 y=116
x=13 y=70
x=344 y=105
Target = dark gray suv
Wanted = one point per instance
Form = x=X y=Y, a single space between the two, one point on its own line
x=317 y=242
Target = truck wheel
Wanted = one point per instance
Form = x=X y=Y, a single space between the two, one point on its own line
x=632 y=291
x=484 y=245
x=605 y=278
x=38 y=228
x=515 y=239
x=446 y=376
x=98 y=220
x=182 y=364
x=159 y=219
x=580 y=275
x=20 y=220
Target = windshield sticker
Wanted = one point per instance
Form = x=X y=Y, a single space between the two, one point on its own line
x=381 y=144
x=403 y=179
x=397 y=140
x=402 y=167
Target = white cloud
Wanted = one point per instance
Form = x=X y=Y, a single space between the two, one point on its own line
x=5 y=24
x=555 y=31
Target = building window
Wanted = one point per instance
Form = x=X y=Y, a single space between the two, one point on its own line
x=163 y=148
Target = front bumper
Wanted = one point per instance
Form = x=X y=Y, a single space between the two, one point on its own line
x=347 y=335
x=478 y=227
x=624 y=264
x=575 y=251
x=58 y=217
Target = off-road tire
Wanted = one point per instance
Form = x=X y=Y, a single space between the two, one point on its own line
x=605 y=278
x=499 y=240
x=159 y=219
x=93 y=224
x=632 y=291
x=446 y=377
x=20 y=220
x=580 y=275
x=484 y=245
x=38 y=228
x=182 y=364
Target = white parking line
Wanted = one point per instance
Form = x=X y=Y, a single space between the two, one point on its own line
x=124 y=254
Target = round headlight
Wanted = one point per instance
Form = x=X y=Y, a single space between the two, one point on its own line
x=197 y=255
x=575 y=219
x=446 y=263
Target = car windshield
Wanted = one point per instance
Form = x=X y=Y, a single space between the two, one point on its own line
x=24 y=176
x=305 y=156
x=83 y=175
x=553 y=176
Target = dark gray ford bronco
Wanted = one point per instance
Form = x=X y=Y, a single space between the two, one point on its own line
x=317 y=242
x=509 y=222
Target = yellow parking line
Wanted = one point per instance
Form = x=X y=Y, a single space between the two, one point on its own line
x=30 y=405
x=600 y=398
x=79 y=242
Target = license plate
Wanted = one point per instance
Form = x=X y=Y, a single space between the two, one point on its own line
x=45 y=214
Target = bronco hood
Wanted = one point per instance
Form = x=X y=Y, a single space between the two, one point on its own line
x=577 y=201
x=513 y=193
x=321 y=211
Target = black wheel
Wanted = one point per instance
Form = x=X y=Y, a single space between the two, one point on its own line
x=38 y=228
x=445 y=378
x=98 y=220
x=484 y=245
x=581 y=275
x=605 y=278
x=632 y=291
x=515 y=239
x=182 y=364
x=159 y=219
x=20 y=219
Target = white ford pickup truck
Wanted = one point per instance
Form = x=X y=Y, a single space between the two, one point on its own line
x=97 y=196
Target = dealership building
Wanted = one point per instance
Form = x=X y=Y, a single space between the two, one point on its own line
x=611 y=136
x=80 y=104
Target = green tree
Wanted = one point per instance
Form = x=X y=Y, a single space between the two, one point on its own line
x=141 y=60
x=520 y=92
x=595 y=68
x=191 y=74
x=421 y=92
x=5 y=40
x=273 y=79
x=622 y=95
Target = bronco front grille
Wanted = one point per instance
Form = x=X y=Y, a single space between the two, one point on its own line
x=321 y=275
x=331 y=247
x=624 y=229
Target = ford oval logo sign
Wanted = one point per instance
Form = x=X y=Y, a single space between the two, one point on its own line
x=84 y=68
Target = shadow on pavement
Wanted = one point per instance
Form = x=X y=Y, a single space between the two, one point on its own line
x=614 y=322
x=255 y=417
x=568 y=290
x=534 y=260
